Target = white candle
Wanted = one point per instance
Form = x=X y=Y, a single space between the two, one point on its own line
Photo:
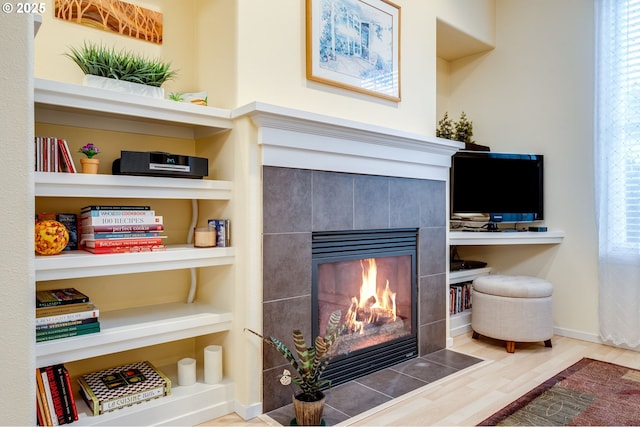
x=186 y=371
x=212 y=364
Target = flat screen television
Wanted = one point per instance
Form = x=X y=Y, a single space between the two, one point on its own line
x=505 y=187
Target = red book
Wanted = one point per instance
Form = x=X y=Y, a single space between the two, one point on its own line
x=118 y=243
x=126 y=249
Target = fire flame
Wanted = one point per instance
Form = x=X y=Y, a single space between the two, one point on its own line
x=373 y=306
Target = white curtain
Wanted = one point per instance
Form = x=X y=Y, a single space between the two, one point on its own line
x=617 y=169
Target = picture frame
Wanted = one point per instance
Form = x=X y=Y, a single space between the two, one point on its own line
x=355 y=45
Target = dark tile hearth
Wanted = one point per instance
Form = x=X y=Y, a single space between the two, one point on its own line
x=355 y=397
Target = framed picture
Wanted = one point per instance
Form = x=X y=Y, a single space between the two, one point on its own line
x=355 y=45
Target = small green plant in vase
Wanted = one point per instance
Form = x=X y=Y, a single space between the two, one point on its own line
x=89 y=164
x=308 y=368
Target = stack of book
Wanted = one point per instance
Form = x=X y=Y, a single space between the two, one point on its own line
x=63 y=313
x=55 y=403
x=223 y=231
x=53 y=155
x=460 y=297
x=120 y=229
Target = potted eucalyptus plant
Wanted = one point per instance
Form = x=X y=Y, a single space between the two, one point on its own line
x=308 y=367
x=122 y=70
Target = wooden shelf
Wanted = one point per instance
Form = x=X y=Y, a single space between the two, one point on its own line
x=88 y=107
x=75 y=264
x=55 y=184
x=505 y=238
x=127 y=329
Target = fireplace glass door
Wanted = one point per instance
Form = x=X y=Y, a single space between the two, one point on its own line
x=370 y=277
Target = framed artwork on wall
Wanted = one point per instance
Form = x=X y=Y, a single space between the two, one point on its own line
x=355 y=45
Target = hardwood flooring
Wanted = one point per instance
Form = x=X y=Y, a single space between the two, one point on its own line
x=470 y=396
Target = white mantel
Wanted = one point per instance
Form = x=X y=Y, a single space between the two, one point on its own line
x=301 y=139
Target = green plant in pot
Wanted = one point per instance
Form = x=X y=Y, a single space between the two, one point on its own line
x=99 y=60
x=308 y=368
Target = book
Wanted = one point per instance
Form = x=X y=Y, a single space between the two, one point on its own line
x=88 y=229
x=48 y=320
x=52 y=418
x=223 y=230
x=66 y=160
x=72 y=399
x=115 y=388
x=66 y=324
x=126 y=249
x=67 y=329
x=129 y=235
x=114 y=207
x=70 y=221
x=63 y=309
x=117 y=212
x=116 y=243
x=64 y=296
x=55 y=394
x=58 y=371
x=44 y=414
x=92 y=329
x=121 y=220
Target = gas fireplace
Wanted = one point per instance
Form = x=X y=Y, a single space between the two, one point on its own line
x=370 y=276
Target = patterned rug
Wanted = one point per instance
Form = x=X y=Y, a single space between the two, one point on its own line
x=589 y=393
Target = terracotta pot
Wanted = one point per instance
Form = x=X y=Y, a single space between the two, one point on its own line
x=89 y=165
x=308 y=413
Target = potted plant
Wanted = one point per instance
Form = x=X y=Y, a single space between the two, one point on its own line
x=461 y=130
x=89 y=165
x=308 y=367
x=121 y=70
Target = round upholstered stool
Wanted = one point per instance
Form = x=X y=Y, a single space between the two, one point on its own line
x=512 y=309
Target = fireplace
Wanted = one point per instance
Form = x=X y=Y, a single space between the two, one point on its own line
x=370 y=277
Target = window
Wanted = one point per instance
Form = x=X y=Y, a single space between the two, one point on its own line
x=618 y=124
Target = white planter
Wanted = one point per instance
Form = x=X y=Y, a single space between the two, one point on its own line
x=123 y=86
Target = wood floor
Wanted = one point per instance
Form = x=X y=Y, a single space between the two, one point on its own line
x=472 y=395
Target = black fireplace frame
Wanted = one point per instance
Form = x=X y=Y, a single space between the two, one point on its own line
x=336 y=246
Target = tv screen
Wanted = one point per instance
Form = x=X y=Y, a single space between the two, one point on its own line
x=507 y=187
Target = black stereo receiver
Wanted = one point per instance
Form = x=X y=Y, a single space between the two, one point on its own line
x=154 y=163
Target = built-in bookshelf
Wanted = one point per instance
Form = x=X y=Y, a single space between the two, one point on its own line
x=138 y=327
x=460 y=323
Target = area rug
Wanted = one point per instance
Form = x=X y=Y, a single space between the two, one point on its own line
x=588 y=393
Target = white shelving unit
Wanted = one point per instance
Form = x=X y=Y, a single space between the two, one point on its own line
x=73 y=105
x=461 y=322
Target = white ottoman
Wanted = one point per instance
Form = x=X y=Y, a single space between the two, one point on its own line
x=513 y=309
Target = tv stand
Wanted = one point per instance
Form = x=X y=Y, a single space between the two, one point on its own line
x=460 y=323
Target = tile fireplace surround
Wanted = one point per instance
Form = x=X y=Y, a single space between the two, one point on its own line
x=323 y=174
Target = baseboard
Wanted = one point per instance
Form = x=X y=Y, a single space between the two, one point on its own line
x=579 y=335
x=248 y=412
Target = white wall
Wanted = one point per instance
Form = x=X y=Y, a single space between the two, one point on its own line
x=534 y=93
x=16 y=268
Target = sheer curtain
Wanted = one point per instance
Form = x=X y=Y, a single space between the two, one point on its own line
x=617 y=169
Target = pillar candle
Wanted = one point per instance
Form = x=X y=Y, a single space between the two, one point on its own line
x=212 y=364
x=186 y=371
